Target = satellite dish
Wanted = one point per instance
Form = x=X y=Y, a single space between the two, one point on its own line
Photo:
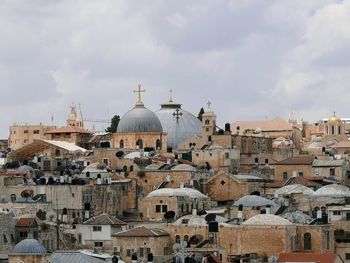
x=119 y=154
x=210 y=217
x=52 y=216
x=196 y=239
x=169 y=215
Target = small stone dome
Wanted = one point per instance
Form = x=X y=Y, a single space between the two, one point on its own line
x=29 y=246
x=294 y=189
x=253 y=201
x=191 y=220
x=167 y=192
x=333 y=190
x=183 y=167
x=139 y=119
x=267 y=220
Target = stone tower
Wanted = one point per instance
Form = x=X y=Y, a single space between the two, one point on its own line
x=208 y=123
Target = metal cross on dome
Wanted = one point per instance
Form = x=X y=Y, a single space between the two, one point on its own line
x=177 y=114
x=209 y=104
x=139 y=91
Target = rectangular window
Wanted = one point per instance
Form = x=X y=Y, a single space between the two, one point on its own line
x=148 y=250
x=166 y=251
x=141 y=252
x=347 y=256
x=105 y=161
x=336 y=213
x=301 y=174
x=25 y=131
x=97 y=228
x=23 y=234
x=348 y=174
x=158 y=208
x=227 y=155
x=348 y=216
x=331 y=172
x=164 y=208
x=285 y=175
x=36 y=132
x=98 y=244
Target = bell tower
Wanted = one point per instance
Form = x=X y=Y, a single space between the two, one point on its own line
x=208 y=123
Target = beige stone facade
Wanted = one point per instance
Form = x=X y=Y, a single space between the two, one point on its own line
x=21 y=135
x=25 y=258
x=140 y=140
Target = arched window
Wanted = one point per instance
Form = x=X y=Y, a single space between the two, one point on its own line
x=131 y=168
x=177 y=239
x=158 y=144
x=307 y=241
x=5 y=239
x=339 y=130
x=121 y=144
x=139 y=144
x=206 y=122
x=332 y=129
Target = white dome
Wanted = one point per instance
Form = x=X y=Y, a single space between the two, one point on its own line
x=333 y=190
x=192 y=220
x=167 y=192
x=267 y=220
x=183 y=167
x=294 y=189
x=253 y=201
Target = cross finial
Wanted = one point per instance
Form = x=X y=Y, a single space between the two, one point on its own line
x=139 y=91
x=177 y=114
x=171 y=95
x=333 y=113
x=209 y=104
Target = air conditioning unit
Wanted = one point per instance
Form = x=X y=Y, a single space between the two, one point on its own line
x=116 y=249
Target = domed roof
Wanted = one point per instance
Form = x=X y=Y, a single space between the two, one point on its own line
x=297 y=217
x=183 y=167
x=294 y=189
x=253 y=201
x=139 y=119
x=188 y=192
x=266 y=220
x=29 y=246
x=192 y=220
x=334 y=120
x=333 y=190
x=179 y=130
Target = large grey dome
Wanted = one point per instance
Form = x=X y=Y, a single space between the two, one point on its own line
x=181 y=130
x=139 y=119
x=29 y=246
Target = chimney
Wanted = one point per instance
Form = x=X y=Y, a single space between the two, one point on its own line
x=268 y=209
x=240 y=214
x=227 y=127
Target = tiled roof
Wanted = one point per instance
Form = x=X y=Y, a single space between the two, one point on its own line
x=307 y=257
x=294 y=180
x=142 y=232
x=26 y=222
x=104 y=219
x=298 y=160
x=68 y=130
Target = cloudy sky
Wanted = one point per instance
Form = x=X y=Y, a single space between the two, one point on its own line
x=252 y=59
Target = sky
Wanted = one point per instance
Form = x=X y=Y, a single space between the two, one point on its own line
x=252 y=59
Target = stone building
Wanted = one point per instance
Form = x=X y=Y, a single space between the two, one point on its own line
x=97 y=232
x=26 y=227
x=180 y=200
x=142 y=241
x=7 y=231
x=224 y=187
x=294 y=166
x=24 y=134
